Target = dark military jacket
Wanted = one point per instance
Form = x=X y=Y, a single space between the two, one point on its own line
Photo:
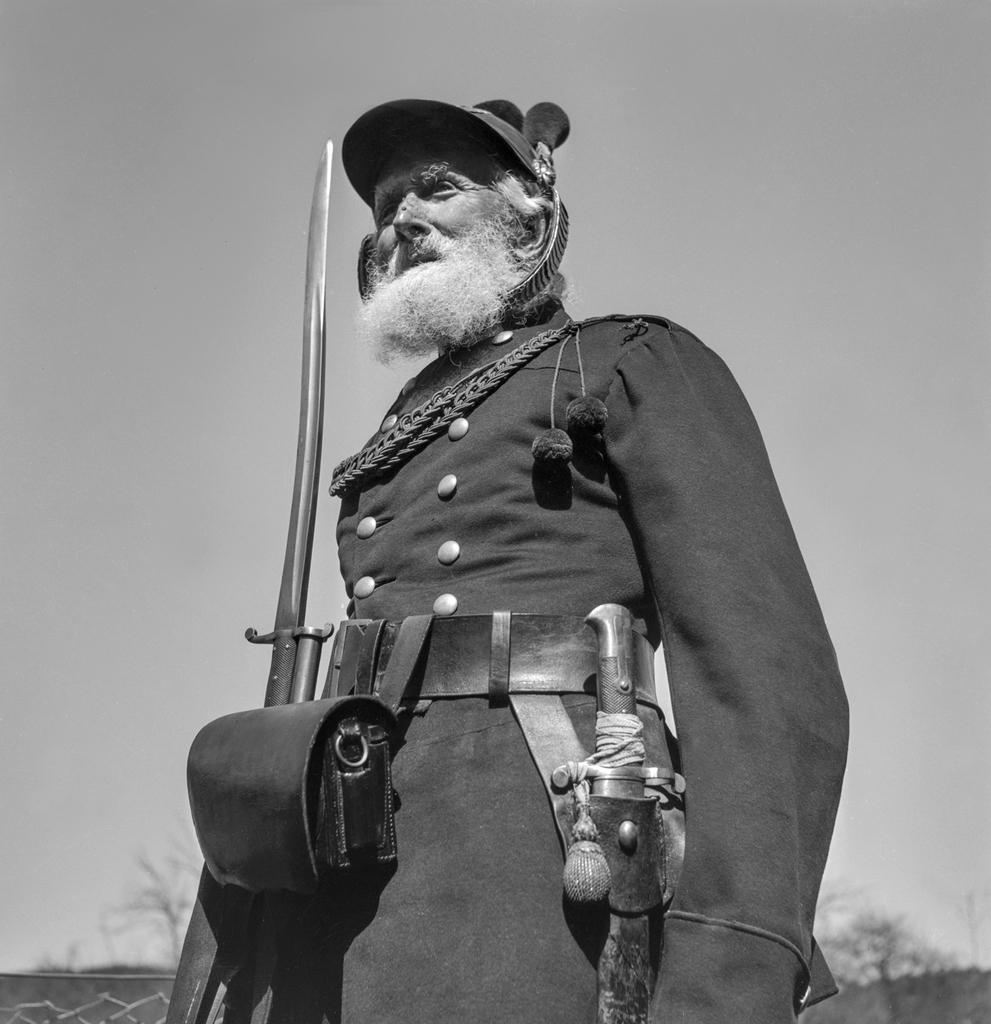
x=672 y=511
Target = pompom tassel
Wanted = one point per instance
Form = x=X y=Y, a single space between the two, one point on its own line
x=552 y=446
x=587 y=415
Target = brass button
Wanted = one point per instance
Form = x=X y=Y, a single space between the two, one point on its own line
x=447 y=486
x=502 y=337
x=446 y=604
x=364 y=587
x=366 y=528
x=457 y=429
x=389 y=422
x=449 y=552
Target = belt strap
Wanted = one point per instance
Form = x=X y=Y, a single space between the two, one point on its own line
x=368 y=653
x=552 y=740
x=499 y=659
x=406 y=651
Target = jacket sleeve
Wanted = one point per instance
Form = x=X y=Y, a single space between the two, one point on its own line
x=758 y=701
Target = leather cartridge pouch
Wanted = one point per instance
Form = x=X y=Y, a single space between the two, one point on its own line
x=282 y=796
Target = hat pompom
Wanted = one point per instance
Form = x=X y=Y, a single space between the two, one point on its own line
x=505 y=110
x=546 y=123
x=552 y=446
x=587 y=415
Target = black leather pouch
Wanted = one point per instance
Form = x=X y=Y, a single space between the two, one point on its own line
x=284 y=796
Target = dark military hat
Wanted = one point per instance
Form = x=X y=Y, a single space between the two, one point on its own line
x=497 y=126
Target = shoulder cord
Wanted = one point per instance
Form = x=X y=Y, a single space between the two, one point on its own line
x=417 y=428
x=557 y=367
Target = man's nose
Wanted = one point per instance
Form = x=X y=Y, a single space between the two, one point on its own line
x=408 y=223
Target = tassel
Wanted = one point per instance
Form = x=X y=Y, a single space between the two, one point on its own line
x=552 y=446
x=587 y=415
x=586 y=871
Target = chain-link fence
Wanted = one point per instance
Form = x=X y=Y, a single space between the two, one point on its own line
x=84 y=998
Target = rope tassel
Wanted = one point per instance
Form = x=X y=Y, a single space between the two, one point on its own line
x=586 y=871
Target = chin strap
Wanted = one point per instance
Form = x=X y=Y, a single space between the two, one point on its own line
x=530 y=287
x=547 y=266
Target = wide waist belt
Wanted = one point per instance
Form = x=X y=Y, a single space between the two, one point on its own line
x=477 y=656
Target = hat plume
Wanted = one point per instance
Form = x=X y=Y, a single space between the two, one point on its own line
x=546 y=123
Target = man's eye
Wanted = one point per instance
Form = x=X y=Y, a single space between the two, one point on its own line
x=442 y=187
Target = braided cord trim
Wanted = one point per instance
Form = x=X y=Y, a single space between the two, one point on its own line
x=417 y=428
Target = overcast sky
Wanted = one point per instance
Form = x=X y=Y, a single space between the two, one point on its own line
x=803 y=184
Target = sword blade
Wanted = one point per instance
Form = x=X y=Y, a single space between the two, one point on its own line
x=299 y=542
x=291 y=607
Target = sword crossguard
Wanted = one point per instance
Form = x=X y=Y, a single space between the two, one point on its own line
x=563 y=777
x=295 y=661
x=318 y=633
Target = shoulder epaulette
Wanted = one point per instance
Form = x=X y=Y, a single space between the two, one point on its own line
x=637 y=323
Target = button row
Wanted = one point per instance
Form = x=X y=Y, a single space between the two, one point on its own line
x=450 y=551
x=447 y=554
x=446 y=604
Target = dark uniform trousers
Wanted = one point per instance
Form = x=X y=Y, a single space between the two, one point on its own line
x=673 y=512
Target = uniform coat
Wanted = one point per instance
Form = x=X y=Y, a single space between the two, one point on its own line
x=674 y=513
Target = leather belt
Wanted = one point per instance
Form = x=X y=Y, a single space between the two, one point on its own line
x=491 y=656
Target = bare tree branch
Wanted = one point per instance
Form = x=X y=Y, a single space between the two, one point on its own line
x=863 y=944
x=159 y=906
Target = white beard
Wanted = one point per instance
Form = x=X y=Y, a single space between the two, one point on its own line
x=450 y=302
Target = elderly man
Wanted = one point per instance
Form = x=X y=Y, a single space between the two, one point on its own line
x=534 y=469
x=471 y=501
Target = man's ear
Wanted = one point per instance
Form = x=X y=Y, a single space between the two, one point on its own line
x=533 y=236
x=366 y=254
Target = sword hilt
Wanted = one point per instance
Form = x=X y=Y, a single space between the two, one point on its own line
x=613 y=625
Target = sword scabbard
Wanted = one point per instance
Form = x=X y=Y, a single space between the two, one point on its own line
x=627 y=832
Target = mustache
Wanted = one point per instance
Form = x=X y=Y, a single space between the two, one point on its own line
x=422 y=249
